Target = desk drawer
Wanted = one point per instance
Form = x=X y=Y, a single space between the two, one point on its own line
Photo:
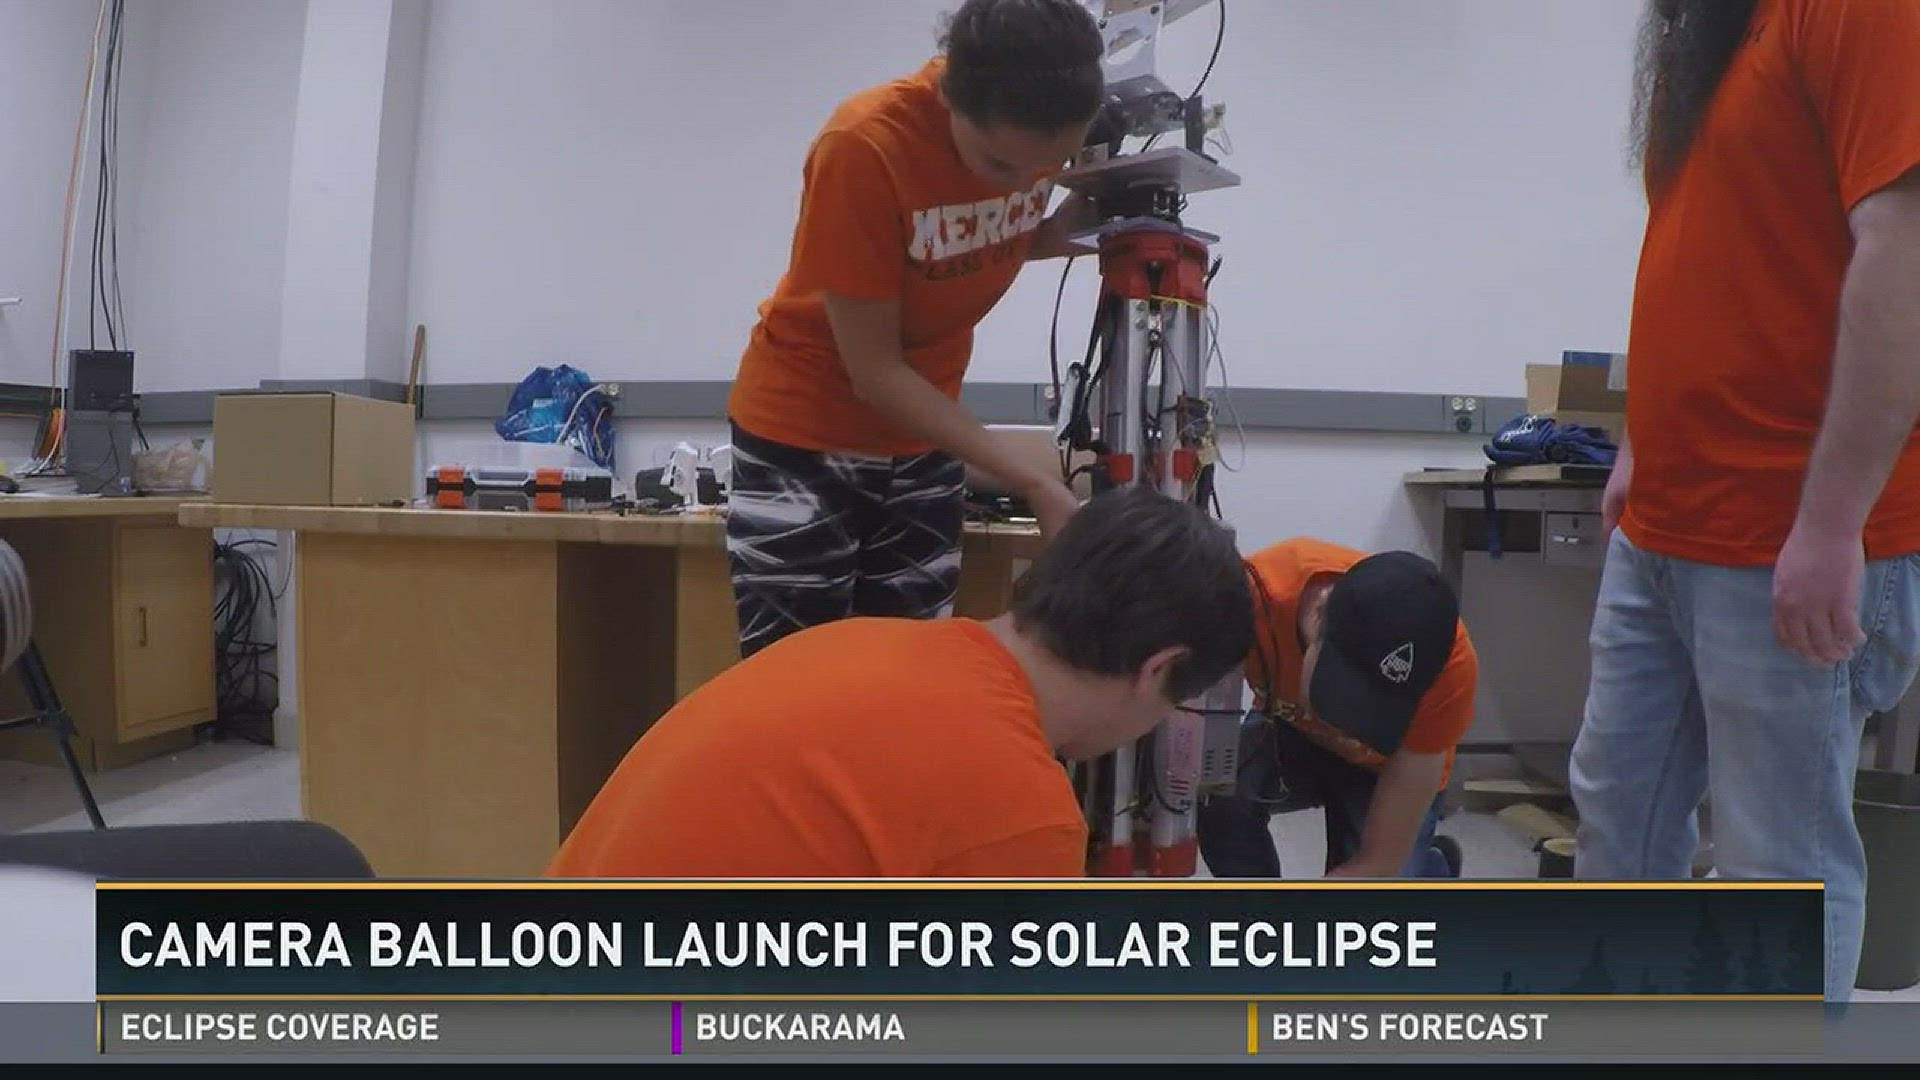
x=1573 y=540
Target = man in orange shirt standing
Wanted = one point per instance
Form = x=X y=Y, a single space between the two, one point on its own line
x=1364 y=680
x=1762 y=592
x=923 y=198
x=905 y=748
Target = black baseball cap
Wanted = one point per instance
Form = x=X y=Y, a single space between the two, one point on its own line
x=1389 y=629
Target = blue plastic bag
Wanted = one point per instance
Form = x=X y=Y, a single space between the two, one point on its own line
x=561 y=405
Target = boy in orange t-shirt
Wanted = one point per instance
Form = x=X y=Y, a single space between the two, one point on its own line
x=923 y=198
x=905 y=748
x=1366 y=679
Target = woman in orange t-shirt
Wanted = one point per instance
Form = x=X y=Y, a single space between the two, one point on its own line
x=923 y=199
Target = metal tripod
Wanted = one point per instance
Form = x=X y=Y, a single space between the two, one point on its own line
x=1139 y=403
x=50 y=714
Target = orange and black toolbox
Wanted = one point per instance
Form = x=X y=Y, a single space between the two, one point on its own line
x=464 y=487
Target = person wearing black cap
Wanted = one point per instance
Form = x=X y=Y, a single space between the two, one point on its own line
x=1363 y=680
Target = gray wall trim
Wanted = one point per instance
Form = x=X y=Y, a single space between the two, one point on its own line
x=1026 y=403
x=24 y=399
x=367 y=388
x=1008 y=403
x=1379 y=412
x=999 y=403
x=464 y=401
x=1370 y=411
x=178 y=407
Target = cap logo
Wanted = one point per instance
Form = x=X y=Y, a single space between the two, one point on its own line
x=1398 y=665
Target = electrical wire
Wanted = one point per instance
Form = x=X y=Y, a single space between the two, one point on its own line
x=113 y=219
x=56 y=428
x=67 y=232
x=1219 y=357
x=590 y=436
x=111 y=459
x=102 y=284
x=1219 y=39
x=1053 y=337
x=1147 y=777
x=112 y=297
x=246 y=692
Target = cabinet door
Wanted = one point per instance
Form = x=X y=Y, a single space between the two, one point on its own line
x=163 y=616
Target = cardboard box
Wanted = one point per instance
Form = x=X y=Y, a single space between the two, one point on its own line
x=1615 y=363
x=1553 y=388
x=312 y=449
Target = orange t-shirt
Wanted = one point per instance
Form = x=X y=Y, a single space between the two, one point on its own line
x=1736 y=309
x=888 y=212
x=1284 y=570
x=840 y=752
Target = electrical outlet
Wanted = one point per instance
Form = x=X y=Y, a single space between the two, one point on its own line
x=1463 y=413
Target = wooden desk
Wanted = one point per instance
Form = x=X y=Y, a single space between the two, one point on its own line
x=468 y=679
x=123 y=614
x=1546 y=514
x=1526 y=620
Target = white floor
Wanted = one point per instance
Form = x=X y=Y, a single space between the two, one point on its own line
x=239 y=781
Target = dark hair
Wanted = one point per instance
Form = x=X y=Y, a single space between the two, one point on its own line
x=1133 y=573
x=1685 y=49
x=1034 y=64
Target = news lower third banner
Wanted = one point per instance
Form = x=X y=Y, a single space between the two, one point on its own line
x=968 y=969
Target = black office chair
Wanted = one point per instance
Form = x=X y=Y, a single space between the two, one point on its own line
x=19 y=653
x=224 y=851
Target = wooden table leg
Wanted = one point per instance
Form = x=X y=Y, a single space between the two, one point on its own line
x=707 y=626
x=986 y=585
x=618 y=645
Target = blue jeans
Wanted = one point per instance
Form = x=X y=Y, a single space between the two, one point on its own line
x=1692 y=696
x=1282 y=771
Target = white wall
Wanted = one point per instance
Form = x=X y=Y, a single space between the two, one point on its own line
x=43 y=64
x=1435 y=192
x=611 y=183
x=206 y=145
x=206 y=131
x=1435 y=196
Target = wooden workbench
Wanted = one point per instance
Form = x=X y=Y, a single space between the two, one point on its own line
x=27 y=507
x=1549 y=514
x=1517 y=476
x=468 y=679
x=123 y=615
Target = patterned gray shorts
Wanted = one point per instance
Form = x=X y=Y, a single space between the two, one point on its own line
x=813 y=537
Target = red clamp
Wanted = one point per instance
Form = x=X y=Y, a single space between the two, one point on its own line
x=1186 y=465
